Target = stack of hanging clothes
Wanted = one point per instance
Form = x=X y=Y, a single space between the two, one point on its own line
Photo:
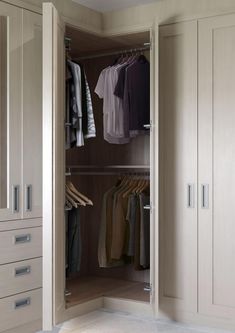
x=125 y=225
x=74 y=200
x=125 y=89
x=80 y=122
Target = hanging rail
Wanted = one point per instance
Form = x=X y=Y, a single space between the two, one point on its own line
x=97 y=170
x=146 y=47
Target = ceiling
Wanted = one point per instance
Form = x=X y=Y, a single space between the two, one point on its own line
x=109 y=5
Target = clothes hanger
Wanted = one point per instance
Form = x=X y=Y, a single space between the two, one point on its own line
x=68 y=205
x=133 y=186
x=74 y=196
x=145 y=186
x=76 y=192
x=72 y=202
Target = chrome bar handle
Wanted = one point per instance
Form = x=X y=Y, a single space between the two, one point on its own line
x=205 y=196
x=22 y=303
x=16 y=198
x=28 y=198
x=21 y=239
x=190 y=196
x=20 y=271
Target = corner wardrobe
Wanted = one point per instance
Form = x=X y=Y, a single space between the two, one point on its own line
x=93 y=166
x=191 y=273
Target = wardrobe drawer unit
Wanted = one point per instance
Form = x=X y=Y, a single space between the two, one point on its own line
x=20 y=277
x=20 y=309
x=20 y=244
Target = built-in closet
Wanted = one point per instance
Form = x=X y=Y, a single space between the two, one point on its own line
x=95 y=167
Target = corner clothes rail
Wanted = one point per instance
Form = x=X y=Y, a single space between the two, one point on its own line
x=108 y=170
x=145 y=47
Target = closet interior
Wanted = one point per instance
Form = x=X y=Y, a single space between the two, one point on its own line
x=95 y=167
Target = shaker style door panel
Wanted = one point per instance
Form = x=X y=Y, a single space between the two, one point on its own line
x=178 y=166
x=10 y=111
x=32 y=115
x=216 y=166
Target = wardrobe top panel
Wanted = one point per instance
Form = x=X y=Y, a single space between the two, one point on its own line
x=83 y=43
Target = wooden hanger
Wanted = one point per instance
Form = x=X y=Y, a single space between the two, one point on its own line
x=74 y=196
x=76 y=192
x=71 y=201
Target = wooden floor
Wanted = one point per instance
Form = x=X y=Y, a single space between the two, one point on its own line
x=87 y=288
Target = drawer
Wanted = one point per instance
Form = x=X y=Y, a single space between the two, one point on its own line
x=20 y=309
x=20 y=277
x=20 y=244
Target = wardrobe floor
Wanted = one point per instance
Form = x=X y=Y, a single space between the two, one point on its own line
x=87 y=288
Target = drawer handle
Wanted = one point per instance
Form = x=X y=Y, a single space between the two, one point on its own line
x=22 y=303
x=16 y=198
x=28 y=198
x=22 y=239
x=22 y=271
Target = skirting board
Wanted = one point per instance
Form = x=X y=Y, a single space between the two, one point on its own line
x=114 y=304
x=196 y=319
x=129 y=306
x=82 y=309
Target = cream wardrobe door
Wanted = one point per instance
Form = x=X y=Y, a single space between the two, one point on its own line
x=32 y=115
x=178 y=167
x=10 y=111
x=53 y=167
x=216 y=166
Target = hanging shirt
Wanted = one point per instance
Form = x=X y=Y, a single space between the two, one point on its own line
x=113 y=111
x=137 y=94
x=144 y=231
x=91 y=129
x=76 y=102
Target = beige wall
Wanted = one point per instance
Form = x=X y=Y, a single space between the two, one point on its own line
x=164 y=11
x=73 y=13
x=135 y=18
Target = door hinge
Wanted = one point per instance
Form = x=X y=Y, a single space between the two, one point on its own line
x=148 y=126
x=148 y=288
x=149 y=207
x=67 y=293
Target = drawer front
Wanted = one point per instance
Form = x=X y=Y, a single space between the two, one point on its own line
x=20 y=277
x=20 y=309
x=20 y=244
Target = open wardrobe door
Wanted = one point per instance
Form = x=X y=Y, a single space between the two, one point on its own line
x=154 y=170
x=53 y=165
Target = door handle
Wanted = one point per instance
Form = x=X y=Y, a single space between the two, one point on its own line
x=190 y=196
x=28 y=198
x=16 y=198
x=205 y=196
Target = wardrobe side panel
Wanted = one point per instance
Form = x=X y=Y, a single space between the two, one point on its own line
x=32 y=115
x=178 y=166
x=53 y=167
x=216 y=166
